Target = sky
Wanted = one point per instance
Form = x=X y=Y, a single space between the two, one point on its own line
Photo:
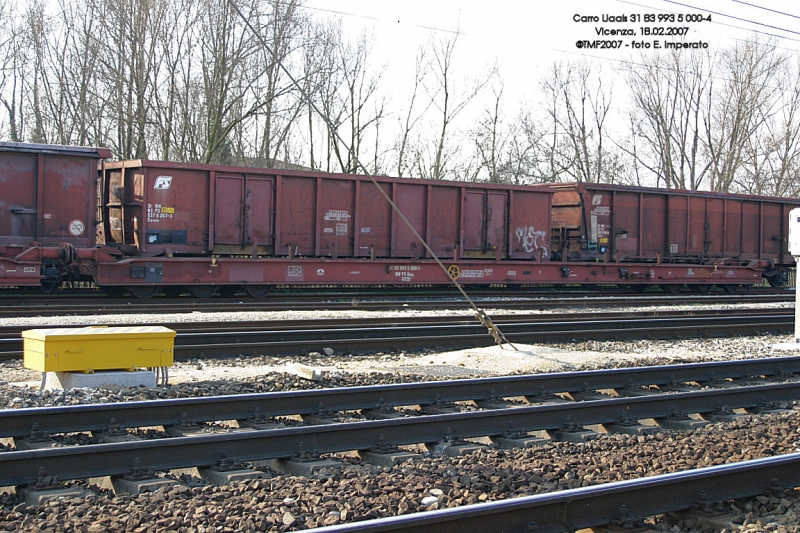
x=523 y=38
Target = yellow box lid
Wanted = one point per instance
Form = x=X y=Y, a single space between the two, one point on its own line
x=86 y=332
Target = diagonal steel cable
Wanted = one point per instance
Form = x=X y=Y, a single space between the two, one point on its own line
x=481 y=315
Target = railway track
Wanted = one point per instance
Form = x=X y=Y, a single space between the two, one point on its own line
x=491 y=391
x=615 y=504
x=386 y=334
x=100 y=305
x=663 y=394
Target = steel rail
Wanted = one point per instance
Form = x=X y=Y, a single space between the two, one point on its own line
x=459 y=334
x=94 y=417
x=78 y=462
x=359 y=340
x=29 y=307
x=12 y=331
x=597 y=505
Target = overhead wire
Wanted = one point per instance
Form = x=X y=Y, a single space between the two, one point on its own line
x=377 y=19
x=716 y=22
x=732 y=17
x=766 y=8
x=481 y=315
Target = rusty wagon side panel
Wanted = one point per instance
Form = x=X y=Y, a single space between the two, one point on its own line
x=161 y=208
x=47 y=194
x=47 y=209
x=633 y=224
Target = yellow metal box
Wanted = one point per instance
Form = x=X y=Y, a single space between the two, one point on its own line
x=88 y=349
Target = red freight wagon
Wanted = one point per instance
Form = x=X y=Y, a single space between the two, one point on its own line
x=48 y=207
x=236 y=215
x=184 y=209
x=593 y=222
x=148 y=226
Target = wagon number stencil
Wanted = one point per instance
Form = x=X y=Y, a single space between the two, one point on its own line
x=76 y=227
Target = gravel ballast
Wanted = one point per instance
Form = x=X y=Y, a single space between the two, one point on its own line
x=360 y=491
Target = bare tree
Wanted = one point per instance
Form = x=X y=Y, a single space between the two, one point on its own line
x=449 y=97
x=14 y=48
x=175 y=94
x=319 y=71
x=670 y=94
x=282 y=105
x=412 y=116
x=522 y=163
x=489 y=137
x=225 y=50
x=579 y=101
x=345 y=88
x=328 y=80
x=129 y=59
x=771 y=164
x=359 y=89
x=747 y=96
x=506 y=149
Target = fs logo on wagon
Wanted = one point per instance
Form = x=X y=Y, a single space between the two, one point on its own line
x=163 y=183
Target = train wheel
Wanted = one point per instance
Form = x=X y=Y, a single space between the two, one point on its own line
x=143 y=292
x=671 y=288
x=777 y=281
x=731 y=287
x=202 y=291
x=258 y=291
x=700 y=289
x=172 y=291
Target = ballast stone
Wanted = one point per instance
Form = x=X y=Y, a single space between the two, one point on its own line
x=305 y=372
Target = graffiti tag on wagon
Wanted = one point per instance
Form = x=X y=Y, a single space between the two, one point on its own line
x=529 y=237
